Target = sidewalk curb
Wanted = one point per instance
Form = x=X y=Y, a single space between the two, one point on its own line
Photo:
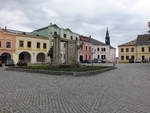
x=49 y=72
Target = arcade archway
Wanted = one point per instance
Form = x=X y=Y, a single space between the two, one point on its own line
x=40 y=58
x=25 y=56
x=5 y=57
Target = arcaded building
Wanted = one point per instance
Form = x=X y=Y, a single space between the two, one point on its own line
x=24 y=46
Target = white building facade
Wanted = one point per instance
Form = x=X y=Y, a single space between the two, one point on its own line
x=104 y=52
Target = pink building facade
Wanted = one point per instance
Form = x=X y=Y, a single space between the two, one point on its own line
x=7 y=45
x=85 y=49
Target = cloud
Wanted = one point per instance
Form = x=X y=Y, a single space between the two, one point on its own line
x=125 y=18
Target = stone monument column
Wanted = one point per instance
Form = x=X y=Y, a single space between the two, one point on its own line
x=56 y=51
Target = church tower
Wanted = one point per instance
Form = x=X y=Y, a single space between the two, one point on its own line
x=107 y=38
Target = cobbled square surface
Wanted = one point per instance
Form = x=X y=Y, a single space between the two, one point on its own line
x=123 y=90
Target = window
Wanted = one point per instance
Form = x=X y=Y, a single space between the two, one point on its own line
x=8 y=45
x=0 y=44
x=65 y=35
x=21 y=43
x=103 y=57
x=86 y=47
x=38 y=45
x=55 y=33
x=142 y=49
x=122 y=50
x=98 y=57
x=85 y=57
x=44 y=46
x=76 y=38
x=127 y=57
x=89 y=57
x=97 y=49
x=122 y=57
x=132 y=49
x=71 y=37
x=89 y=48
x=127 y=49
x=81 y=47
x=29 y=44
x=103 y=49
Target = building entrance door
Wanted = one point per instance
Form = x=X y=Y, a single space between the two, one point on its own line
x=81 y=58
x=5 y=57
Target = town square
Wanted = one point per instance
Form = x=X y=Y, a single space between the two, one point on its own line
x=65 y=56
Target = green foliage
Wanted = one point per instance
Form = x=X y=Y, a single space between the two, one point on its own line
x=75 y=69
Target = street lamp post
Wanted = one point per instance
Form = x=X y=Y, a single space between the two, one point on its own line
x=114 y=60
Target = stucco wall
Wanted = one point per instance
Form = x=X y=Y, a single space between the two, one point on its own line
x=86 y=52
x=137 y=52
x=33 y=51
x=4 y=37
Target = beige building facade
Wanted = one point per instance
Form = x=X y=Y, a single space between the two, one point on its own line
x=136 y=51
x=32 y=49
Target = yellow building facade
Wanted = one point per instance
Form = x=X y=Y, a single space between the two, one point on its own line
x=143 y=52
x=32 y=49
x=136 y=51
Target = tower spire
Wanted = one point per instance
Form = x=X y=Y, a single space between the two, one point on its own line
x=107 y=37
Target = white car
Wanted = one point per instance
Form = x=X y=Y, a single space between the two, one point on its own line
x=138 y=61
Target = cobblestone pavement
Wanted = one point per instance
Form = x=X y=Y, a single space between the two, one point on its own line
x=124 y=90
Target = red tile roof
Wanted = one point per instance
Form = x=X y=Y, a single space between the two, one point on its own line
x=131 y=43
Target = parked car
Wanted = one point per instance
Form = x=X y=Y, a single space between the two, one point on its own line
x=0 y=63
x=131 y=60
x=86 y=61
x=104 y=61
x=97 y=61
x=22 y=63
x=9 y=63
x=145 y=61
x=138 y=61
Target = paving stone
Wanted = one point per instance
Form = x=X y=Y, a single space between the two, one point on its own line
x=124 y=90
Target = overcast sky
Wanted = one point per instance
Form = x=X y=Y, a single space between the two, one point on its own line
x=125 y=18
